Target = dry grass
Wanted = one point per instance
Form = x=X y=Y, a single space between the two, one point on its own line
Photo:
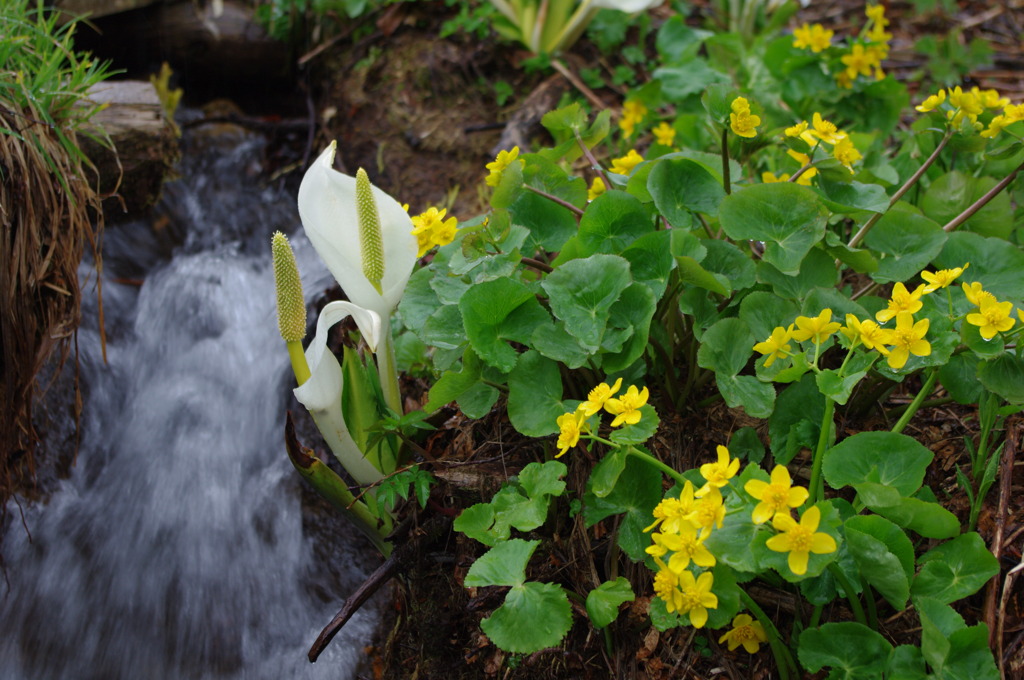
x=47 y=207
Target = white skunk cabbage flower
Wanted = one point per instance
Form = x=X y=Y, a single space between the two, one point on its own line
x=362 y=234
x=321 y=393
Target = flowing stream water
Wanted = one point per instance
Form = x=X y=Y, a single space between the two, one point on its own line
x=176 y=548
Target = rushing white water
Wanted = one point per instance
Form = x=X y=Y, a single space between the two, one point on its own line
x=176 y=547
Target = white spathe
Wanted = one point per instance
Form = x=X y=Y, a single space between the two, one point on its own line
x=327 y=207
x=321 y=393
x=628 y=6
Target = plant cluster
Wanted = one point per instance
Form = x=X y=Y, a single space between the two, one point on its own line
x=697 y=263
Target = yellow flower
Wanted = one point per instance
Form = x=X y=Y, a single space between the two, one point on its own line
x=709 y=512
x=843 y=80
x=942 y=277
x=720 y=472
x=846 y=153
x=906 y=339
x=867 y=333
x=1013 y=113
x=878 y=34
x=800 y=539
x=671 y=512
x=741 y=120
x=932 y=102
x=632 y=113
x=992 y=317
x=685 y=546
x=770 y=178
x=778 y=496
x=432 y=229
x=776 y=346
x=876 y=14
x=597 y=397
x=817 y=328
x=747 y=632
x=800 y=130
x=625 y=164
x=995 y=126
x=858 y=62
x=695 y=596
x=901 y=301
x=666 y=586
x=626 y=408
x=570 y=426
x=825 y=130
x=597 y=188
x=665 y=134
x=815 y=38
x=975 y=294
x=990 y=99
x=498 y=165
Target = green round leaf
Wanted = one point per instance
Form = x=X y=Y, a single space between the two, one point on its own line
x=853 y=651
x=534 y=616
x=496 y=311
x=954 y=192
x=680 y=186
x=612 y=222
x=955 y=569
x=993 y=262
x=1004 y=375
x=905 y=243
x=884 y=555
x=788 y=218
x=726 y=347
x=603 y=602
x=502 y=565
x=582 y=293
x=535 y=395
x=887 y=458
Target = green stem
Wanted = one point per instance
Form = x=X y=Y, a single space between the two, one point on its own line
x=726 y=180
x=926 y=389
x=554 y=199
x=783 y=657
x=651 y=460
x=816 y=486
x=815 y=616
x=869 y=600
x=387 y=368
x=298 y=358
x=840 y=577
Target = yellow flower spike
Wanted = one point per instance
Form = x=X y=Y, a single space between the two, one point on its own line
x=570 y=426
x=818 y=329
x=720 y=472
x=597 y=397
x=741 y=120
x=696 y=597
x=747 y=632
x=708 y=512
x=992 y=317
x=625 y=164
x=776 y=496
x=664 y=134
x=597 y=188
x=291 y=304
x=686 y=547
x=846 y=153
x=906 y=339
x=932 y=102
x=498 y=165
x=801 y=539
x=815 y=38
x=626 y=408
x=776 y=346
x=942 y=277
x=371 y=240
x=902 y=300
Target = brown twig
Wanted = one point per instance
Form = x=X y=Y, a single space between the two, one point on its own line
x=996 y=617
